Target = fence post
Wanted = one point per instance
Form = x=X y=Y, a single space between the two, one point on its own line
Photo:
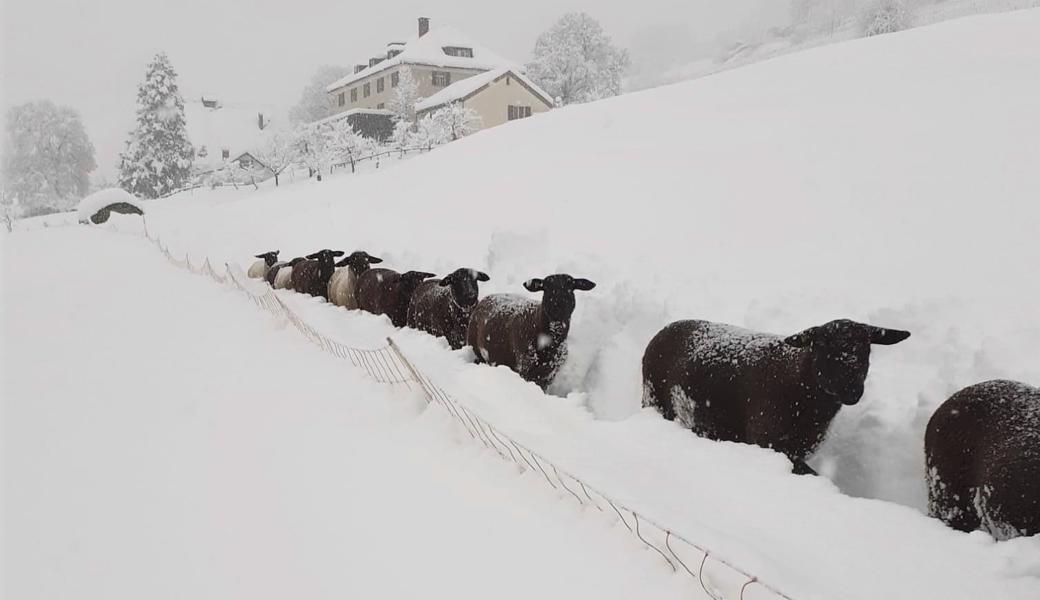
x=411 y=370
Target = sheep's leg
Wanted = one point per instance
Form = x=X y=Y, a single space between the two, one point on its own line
x=802 y=468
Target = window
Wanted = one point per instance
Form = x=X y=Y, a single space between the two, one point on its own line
x=381 y=105
x=368 y=90
x=458 y=51
x=395 y=77
x=245 y=162
x=441 y=78
x=379 y=85
x=353 y=95
x=519 y=112
x=342 y=98
x=225 y=154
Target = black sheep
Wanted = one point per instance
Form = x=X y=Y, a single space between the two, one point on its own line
x=728 y=383
x=311 y=276
x=387 y=292
x=526 y=336
x=982 y=450
x=442 y=306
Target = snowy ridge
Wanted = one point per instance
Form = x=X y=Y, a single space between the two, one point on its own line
x=388 y=364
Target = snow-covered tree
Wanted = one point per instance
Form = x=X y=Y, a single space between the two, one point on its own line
x=8 y=209
x=158 y=155
x=346 y=145
x=885 y=16
x=575 y=61
x=47 y=157
x=279 y=150
x=403 y=98
x=315 y=102
x=316 y=149
x=456 y=121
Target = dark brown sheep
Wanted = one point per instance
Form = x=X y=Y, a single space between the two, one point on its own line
x=526 y=336
x=259 y=269
x=272 y=273
x=731 y=384
x=442 y=307
x=311 y=276
x=982 y=450
x=387 y=292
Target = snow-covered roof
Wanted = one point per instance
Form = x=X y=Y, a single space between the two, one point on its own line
x=231 y=126
x=353 y=111
x=429 y=50
x=92 y=203
x=465 y=87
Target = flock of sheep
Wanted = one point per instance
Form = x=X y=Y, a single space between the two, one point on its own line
x=982 y=445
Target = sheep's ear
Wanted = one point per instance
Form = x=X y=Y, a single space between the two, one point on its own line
x=343 y=263
x=887 y=337
x=798 y=340
x=260 y=256
x=314 y=256
x=424 y=274
x=482 y=276
x=533 y=285
x=337 y=253
x=583 y=284
x=373 y=259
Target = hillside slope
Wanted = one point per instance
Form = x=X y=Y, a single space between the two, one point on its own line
x=890 y=180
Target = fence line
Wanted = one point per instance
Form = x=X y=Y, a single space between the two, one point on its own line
x=389 y=364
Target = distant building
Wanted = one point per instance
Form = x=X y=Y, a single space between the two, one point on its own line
x=226 y=132
x=447 y=66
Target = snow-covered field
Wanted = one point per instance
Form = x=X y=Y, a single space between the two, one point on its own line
x=892 y=180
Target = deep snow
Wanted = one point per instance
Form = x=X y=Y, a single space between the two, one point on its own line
x=890 y=180
x=164 y=438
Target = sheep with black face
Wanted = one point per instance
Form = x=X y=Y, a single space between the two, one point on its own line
x=731 y=384
x=258 y=270
x=982 y=450
x=312 y=276
x=528 y=337
x=442 y=307
x=343 y=283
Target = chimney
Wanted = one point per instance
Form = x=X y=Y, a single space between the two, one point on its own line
x=260 y=120
x=359 y=68
x=424 y=26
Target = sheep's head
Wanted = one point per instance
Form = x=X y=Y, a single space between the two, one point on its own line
x=463 y=284
x=326 y=256
x=411 y=280
x=359 y=261
x=840 y=352
x=269 y=257
x=558 y=294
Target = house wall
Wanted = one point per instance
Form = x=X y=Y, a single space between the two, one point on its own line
x=423 y=78
x=492 y=102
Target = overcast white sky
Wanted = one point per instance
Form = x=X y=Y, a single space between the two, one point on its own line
x=91 y=54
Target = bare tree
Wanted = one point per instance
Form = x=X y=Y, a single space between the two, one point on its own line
x=278 y=152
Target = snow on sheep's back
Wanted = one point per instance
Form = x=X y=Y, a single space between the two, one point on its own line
x=890 y=180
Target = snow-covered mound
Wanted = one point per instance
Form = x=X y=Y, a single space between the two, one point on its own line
x=91 y=204
x=891 y=180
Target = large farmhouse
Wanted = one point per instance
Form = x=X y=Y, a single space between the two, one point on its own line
x=447 y=67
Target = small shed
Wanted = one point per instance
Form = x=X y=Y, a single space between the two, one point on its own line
x=97 y=207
